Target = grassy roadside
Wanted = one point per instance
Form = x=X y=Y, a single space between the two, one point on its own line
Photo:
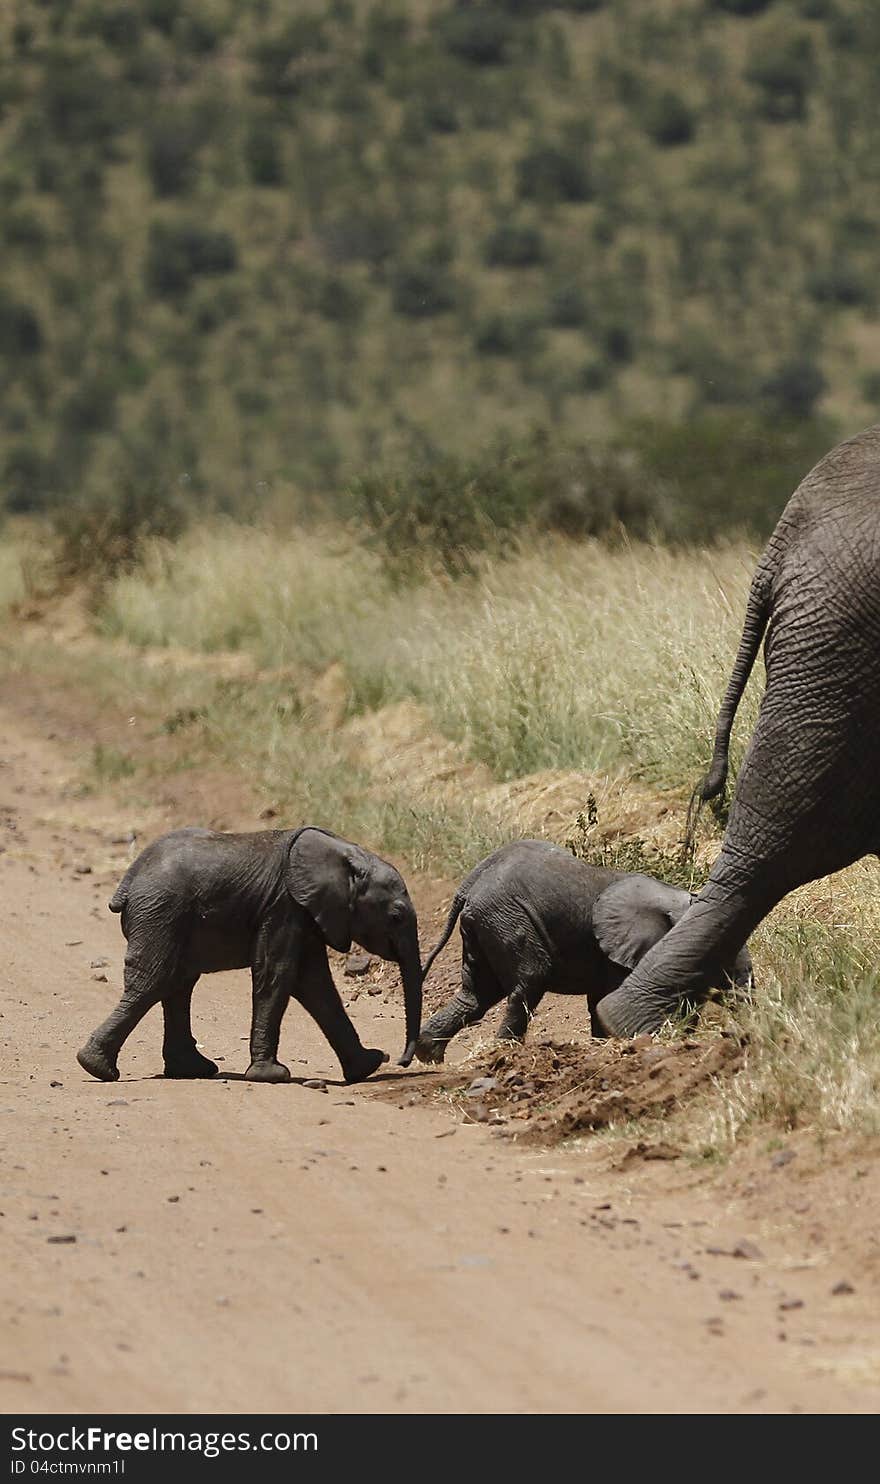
x=397 y=713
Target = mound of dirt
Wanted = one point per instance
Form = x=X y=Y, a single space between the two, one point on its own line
x=547 y=1090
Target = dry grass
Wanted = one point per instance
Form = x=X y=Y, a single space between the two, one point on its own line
x=567 y=655
x=13 y=556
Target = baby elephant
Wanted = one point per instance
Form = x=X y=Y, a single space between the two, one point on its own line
x=195 y=902
x=533 y=918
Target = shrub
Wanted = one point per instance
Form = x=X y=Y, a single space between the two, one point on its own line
x=287 y=59
x=781 y=68
x=514 y=245
x=172 y=151
x=178 y=252
x=871 y=387
x=838 y=282
x=505 y=334
x=795 y=387
x=567 y=306
x=263 y=155
x=727 y=471
x=667 y=119
x=103 y=533
x=421 y=289
x=20 y=330
x=741 y=7
x=554 y=172
x=480 y=34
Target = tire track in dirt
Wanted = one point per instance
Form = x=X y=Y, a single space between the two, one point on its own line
x=249 y=1248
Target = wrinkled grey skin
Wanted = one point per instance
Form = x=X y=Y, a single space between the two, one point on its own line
x=534 y=918
x=195 y=902
x=807 y=799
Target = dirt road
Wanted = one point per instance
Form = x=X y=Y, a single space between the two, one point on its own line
x=224 y=1246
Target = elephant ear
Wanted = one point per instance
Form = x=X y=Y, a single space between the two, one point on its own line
x=633 y=914
x=321 y=878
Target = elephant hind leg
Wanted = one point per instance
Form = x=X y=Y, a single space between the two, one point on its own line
x=480 y=990
x=150 y=973
x=179 y=1051
x=521 y=1006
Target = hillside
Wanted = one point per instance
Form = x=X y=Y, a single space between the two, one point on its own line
x=252 y=250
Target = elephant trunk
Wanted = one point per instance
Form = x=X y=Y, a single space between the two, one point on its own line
x=411 y=974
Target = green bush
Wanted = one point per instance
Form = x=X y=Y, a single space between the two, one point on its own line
x=724 y=471
x=514 y=245
x=505 y=333
x=554 y=172
x=178 y=252
x=263 y=154
x=20 y=330
x=667 y=118
x=421 y=289
x=568 y=307
x=839 y=282
x=795 y=387
x=288 y=59
x=781 y=68
x=477 y=33
x=172 y=150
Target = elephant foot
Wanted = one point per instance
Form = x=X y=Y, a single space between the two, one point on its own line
x=365 y=1065
x=267 y=1071
x=430 y=1051
x=618 y=1014
x=94 y=1060
x=189 y=1063
x=507 y=1033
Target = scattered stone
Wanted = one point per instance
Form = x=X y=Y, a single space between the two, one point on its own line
x=268 y=813
x=729 y=1294
x=173 y=1198
x=444 y=1134
x=792 y=1303
x=844 y=1286
x=316 y=1084
x=357 y=964
x=748 y=1249
x=99 y=963
x=83 y=870
x=62 y=1239
x=56 y=1084
x=100 y=978
x=481 y=1085
x=783 y=1157
x=117 y=1103
x=23 y=1376
x=73 y=943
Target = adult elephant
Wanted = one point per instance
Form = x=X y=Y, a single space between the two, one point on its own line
x=198 y=901
x=807 y=799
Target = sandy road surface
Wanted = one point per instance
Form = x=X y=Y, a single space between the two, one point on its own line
x=251 y=1248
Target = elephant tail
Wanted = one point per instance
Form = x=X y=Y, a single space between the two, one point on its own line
x=754 y=625
x=458 y=902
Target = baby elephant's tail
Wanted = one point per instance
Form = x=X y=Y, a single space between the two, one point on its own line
x=458 y=902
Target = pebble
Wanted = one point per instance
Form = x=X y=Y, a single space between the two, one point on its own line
x=316 y=1084
x=357 y=964
x=844 y=1286
x=57 y=1241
